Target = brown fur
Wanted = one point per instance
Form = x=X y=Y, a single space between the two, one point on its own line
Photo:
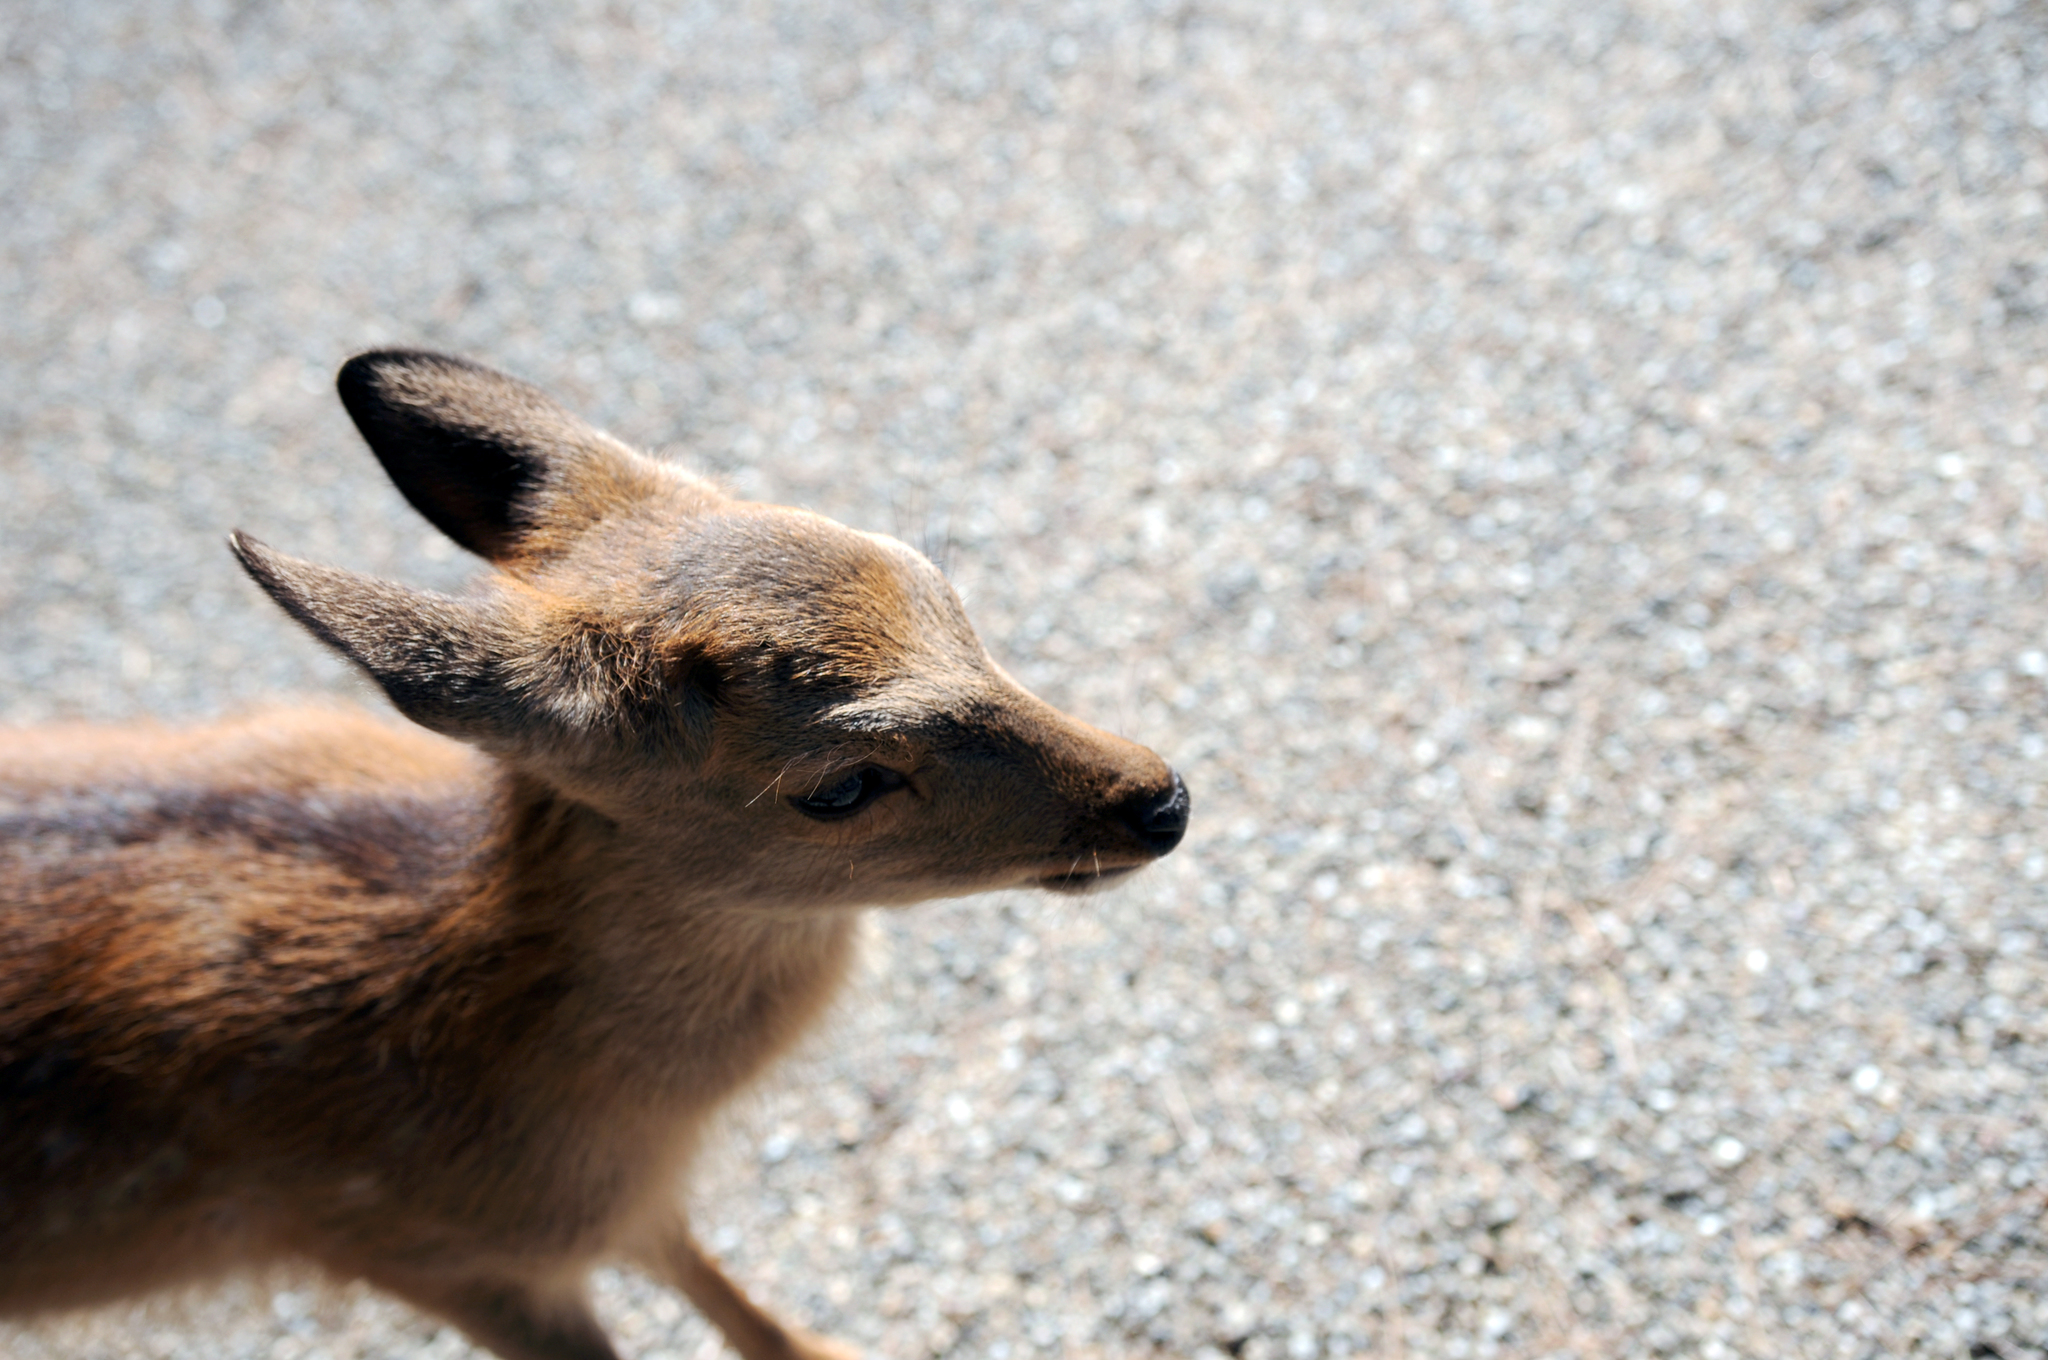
x=450 y=1016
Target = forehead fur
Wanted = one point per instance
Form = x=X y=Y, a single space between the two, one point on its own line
x=823 y=602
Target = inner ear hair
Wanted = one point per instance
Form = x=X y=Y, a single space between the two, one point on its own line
x=596 y=675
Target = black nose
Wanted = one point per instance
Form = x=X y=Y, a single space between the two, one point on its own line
x=1160 y=819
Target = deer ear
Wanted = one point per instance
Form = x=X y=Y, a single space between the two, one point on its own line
x=478 y=453
x=443 y=661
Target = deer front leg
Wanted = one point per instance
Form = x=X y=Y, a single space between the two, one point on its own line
x=751 y=1331
x=514 y=1320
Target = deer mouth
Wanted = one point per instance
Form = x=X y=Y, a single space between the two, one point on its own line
x=1082 y=877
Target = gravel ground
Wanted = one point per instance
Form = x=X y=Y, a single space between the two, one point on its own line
x=1564 y=479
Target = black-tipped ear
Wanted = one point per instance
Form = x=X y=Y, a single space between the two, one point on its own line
x=441 y=660
x=470 y=447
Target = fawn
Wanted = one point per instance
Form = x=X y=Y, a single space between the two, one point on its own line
x=449 y=1016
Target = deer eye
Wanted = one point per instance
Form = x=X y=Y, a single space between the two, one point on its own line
x=850 y=794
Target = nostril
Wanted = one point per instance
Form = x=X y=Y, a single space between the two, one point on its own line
x=1160 y=819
